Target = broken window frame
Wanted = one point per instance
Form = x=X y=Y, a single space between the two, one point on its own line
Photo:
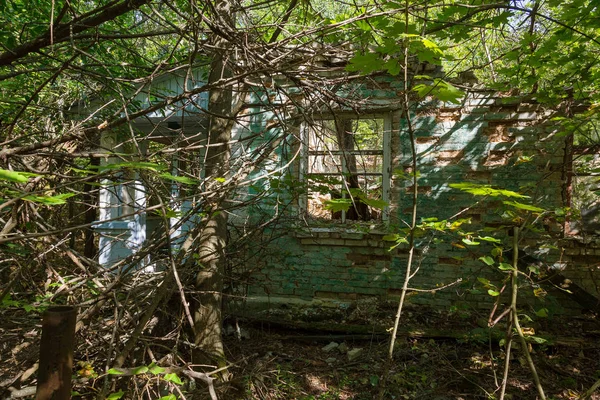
x=384 y=151
x=577 y=226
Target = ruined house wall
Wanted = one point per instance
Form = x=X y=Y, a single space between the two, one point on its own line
x=506 y=142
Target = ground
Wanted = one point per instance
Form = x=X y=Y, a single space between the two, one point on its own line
x=438 y=356
x=276 y=366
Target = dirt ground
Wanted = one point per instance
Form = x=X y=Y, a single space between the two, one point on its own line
x=438 y=356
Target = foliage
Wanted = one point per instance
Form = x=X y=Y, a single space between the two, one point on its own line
x=72 y=72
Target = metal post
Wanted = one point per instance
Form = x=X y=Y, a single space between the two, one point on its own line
x=56 y=353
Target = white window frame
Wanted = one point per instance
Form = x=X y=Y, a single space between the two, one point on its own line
x=386 y=152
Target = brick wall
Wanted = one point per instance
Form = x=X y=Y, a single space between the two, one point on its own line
x=581 y=262
x=506 y=142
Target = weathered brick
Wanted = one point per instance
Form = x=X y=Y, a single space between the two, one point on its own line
x=352 y=235
x=323 y=242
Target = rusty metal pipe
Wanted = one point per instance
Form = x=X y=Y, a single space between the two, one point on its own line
x=56 y=353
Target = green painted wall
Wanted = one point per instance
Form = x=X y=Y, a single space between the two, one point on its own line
x=484 y=140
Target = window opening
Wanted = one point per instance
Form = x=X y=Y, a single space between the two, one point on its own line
x=346 y=169
x=585 y=200
x=583 y=181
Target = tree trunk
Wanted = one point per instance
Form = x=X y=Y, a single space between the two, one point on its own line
x=209 y=280
x=90 y=198
x=358 y=210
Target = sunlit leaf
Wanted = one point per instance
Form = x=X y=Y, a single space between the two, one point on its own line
x=49 y=200
x=485 y=190
x=114 y=371
x=15 y=176
x=116 y=395
x=155 y=369
x=336 y=205
x=487 y=260
x=173 y=378
x=180 y=179
x=140 y=370
x=489 y=239
x=447 y=92
x=139 y=165
x=375 y=203
x=525 y=207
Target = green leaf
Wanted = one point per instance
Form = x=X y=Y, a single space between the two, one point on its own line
x=470 y=242
x=374 y=380
x=537 y=339
x=336 y=205
x=560 y=212
x=392 y=237
x=496 y=251
x=155 y=369
x=115 y=396
x=493 y=293
x=220 y=179
x=542 y=313
x=422 y=89
x=505 y=267
x=15 y=176
x=457 y=224
x=114 y=371
x=181 y=179
x=447 y=92
x=140 y=370
x=525 y=207
x=485 y=282
x=375 y=203
x=485 y=190
x=133 y=165
x=431 y=45
x=173 y=378
x=365 y=63
x=393 y=67
x=363 y=25
x=487 y=260
x=534 y=269
x=49 y=200
x=169 y=397
x=489 y=239
x=443 y=90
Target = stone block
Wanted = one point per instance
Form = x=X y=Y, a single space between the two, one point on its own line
x=503 y=101
x=323 y=241
x=352 y=235
x=495 y=116
x=483 y=102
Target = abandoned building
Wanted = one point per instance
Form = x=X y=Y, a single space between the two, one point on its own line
x=359 y=159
